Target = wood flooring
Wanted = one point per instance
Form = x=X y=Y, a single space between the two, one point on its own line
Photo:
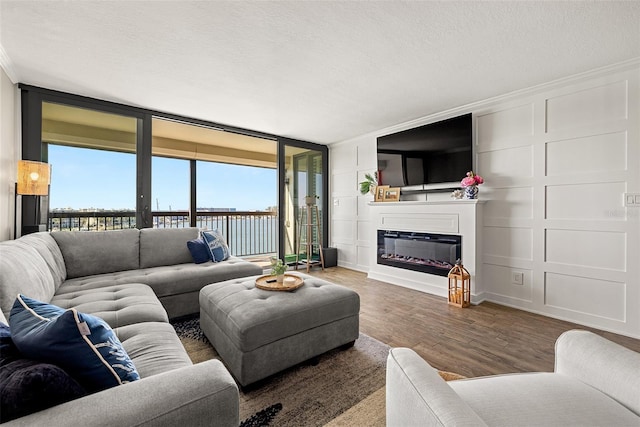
x=483 y=339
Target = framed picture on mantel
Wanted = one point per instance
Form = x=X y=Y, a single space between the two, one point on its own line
x=392 y=194
x=380 y=189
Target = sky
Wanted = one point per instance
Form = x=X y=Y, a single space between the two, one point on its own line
x=87 y=178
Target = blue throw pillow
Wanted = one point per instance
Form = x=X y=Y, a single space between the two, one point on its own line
x=217 y=245
x=8 y=350
x=28 y=386
x=81 y=344
x=199 y=251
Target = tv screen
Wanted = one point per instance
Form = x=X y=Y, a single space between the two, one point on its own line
x=435 y=153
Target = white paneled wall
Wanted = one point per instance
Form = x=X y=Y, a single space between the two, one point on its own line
x=350 y=218
x=556 y=160
x=557 y=164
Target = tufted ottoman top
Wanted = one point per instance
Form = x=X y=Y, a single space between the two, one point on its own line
x=253 y=317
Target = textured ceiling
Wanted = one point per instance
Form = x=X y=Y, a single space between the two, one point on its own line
x=317 y=71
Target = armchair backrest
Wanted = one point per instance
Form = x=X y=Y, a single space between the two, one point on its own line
x=418 y=396
x=602 y=364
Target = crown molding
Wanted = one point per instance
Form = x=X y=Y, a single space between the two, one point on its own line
x=7 y=65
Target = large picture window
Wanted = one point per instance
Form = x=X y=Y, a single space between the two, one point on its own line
x=93 y=154
x=117 y=166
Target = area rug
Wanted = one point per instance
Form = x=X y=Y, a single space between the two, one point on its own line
x=307 y=395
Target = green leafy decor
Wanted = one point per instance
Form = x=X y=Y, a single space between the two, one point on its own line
x=278 y=268
x=369 y=184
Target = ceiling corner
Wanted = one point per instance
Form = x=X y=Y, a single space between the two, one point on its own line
x=7 y=65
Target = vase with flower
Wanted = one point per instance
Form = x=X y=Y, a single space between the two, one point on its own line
x=470 y=184
x=278 y=269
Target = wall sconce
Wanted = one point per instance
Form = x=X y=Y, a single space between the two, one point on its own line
x=33 y=180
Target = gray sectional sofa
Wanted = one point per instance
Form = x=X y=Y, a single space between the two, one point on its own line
x=135 y=280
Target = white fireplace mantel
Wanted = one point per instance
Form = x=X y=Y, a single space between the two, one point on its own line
x=458 y=217
x=431 y=203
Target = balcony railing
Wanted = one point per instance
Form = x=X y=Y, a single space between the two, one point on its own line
x=247 y=233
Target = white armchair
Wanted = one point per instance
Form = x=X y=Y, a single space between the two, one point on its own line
x=595 y=382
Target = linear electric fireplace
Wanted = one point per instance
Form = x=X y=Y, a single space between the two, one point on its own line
x=425 y=252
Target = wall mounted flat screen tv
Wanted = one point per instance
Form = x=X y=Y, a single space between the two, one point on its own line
x=436 y=153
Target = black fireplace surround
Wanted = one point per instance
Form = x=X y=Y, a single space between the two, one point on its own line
x=425 y=252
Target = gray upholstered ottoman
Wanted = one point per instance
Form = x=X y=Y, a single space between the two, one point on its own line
x=258 y=333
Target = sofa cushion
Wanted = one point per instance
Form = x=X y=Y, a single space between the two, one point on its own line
x=118 y=305
x=199 y=251
x=540 y=399
x=99 y=251
x=170 y=280
x=165 y=246
x=28 y=386
x=217 y=245
x=154 y=347
x=83 y=345
x=50 y=252
x=23 y=270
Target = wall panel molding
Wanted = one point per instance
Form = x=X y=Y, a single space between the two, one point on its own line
x=556 y=159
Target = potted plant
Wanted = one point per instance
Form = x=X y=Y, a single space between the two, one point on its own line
x=277 y=269
x=369 y=184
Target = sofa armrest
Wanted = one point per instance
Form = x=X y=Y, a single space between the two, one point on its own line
x=418 y=396
x=204 y=394
x=602 y=364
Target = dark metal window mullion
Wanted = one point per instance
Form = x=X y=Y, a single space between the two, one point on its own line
x=144 y=217
x=193 y=217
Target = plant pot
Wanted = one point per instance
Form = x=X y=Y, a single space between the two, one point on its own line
x=471 y=192
x=280 y=279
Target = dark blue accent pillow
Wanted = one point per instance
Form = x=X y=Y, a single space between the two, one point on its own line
x=83 y=345
x=217 y=245
x=8 y=350
x=199 y=251
x=28 y=386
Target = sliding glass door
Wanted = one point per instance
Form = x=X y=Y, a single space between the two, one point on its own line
x=303 y=168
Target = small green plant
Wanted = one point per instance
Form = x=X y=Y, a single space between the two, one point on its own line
x=369 y=183
x=278 y=267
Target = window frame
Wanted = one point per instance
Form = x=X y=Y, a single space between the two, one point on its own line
x=33 y=148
